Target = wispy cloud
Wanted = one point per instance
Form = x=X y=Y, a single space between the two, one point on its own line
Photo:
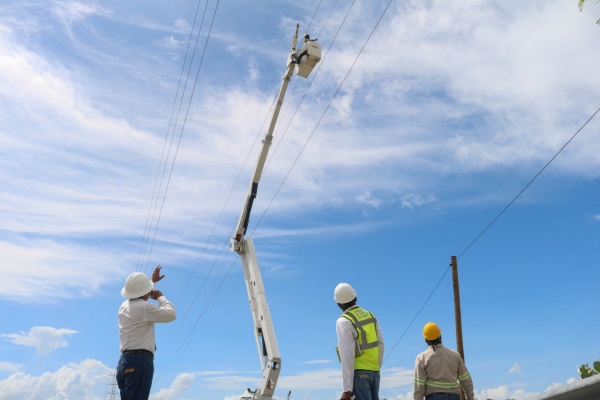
x=181 y=26
x=414 y=200
x=73 y=11
x=597 y=217
x=168 y=43
x=515 y=369
x=321 y=379
x=405 y=129
x=43 y=338
x=317 y=362
x=6 y=366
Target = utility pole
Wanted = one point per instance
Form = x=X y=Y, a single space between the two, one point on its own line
x=457 y=314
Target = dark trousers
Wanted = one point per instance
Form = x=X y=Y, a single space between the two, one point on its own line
x=442 y=396
x=366 y=385
x=134 y=375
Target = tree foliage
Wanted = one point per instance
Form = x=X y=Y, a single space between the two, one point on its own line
x=580 y=5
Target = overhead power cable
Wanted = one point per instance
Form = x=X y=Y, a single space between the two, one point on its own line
x=324 y=112
x=182 y=320
x=314 y=76
x=199 y=318
x=181 y=132
x=154 y=191
x=220 y=214
x=226 y=202
x=314 y=15
x=489 y=225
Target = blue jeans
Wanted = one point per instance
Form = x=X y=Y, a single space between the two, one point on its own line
x=134 y=375
x=366 y=385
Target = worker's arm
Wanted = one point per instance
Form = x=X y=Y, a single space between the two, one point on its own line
x=346 y=345
x=380 y=344
x=164 y=312
x=464 y=378
x=419 y=380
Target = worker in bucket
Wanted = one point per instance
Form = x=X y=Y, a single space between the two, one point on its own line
x=136 y=329
x=360 y=347
x=440 y=371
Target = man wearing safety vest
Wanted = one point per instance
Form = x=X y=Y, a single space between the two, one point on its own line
x=360 y=347
x=440 y=371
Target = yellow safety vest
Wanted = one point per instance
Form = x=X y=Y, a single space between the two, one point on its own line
x=365 y=324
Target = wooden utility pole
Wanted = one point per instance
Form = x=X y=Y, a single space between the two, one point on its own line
x=457 y=314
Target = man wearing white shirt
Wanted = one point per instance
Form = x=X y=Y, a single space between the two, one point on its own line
x=136 y=329
x=360 y=347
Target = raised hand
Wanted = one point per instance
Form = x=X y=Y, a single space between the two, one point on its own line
x=156 y=276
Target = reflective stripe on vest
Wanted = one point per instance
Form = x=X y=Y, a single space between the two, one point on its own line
x=365 y=324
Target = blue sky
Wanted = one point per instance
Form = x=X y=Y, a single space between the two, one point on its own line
x=449 y=112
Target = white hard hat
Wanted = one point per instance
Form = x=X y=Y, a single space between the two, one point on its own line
x=137 y=285
x=344 y=293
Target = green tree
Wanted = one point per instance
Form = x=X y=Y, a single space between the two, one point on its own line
x=581 y=3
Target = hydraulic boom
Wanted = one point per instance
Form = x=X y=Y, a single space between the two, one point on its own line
x=303 y=60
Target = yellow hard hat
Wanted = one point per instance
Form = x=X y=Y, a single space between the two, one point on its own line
x=431 y=331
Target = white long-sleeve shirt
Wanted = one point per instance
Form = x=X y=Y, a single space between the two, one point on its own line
x=136 y=322
x=347 y=337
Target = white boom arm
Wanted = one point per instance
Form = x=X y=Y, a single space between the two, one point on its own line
x=268 y=352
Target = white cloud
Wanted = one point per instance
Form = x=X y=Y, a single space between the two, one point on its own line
x=181 y=26
x=431 y=116
x=321 y=379
x=73 y=11
x=43 y=338
x=168 y=43
x=597 y=217
x=515 y=369
x=503 y=392
x=396 y=377
x=253 y=69
x=317 y=380
x=39 y=271
x=369 y=199
x=317 y=362
x=6 y=366
x=84 y=381
x=414 y=200
x=181 y=383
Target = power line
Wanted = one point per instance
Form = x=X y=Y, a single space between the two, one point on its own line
x=226 y=202
x=309 y=85
x=146 y=228
x=181 y=132
x=198 y=292
x=324 y=112
x=200 y=317
x=526 y=186
x=314 y=15
x=491 y=223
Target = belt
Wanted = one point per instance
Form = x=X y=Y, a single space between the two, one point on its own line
x=139 y=351
x=448 y=395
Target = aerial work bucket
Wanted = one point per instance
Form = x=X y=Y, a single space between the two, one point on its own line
x=308 y=56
